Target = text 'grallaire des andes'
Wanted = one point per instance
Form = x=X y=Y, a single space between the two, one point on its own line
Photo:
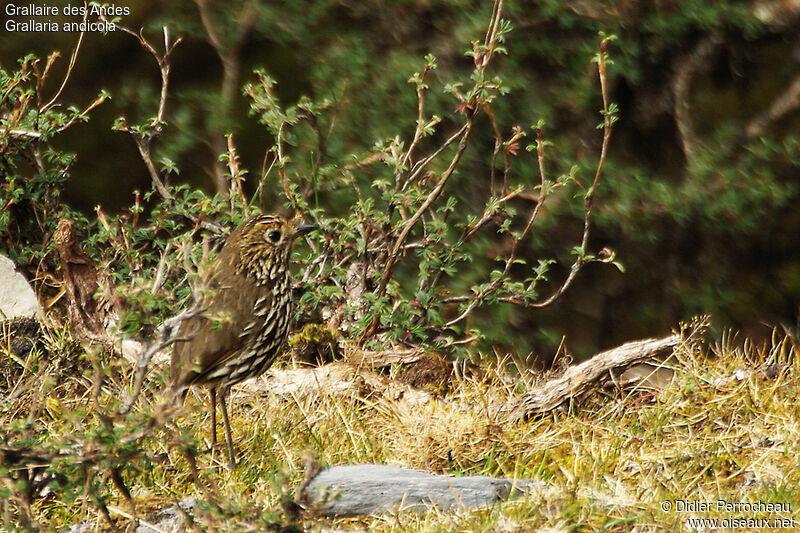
x=44 y=10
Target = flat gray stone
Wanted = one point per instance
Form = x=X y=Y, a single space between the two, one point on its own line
x=16 y=295
x=361 y=490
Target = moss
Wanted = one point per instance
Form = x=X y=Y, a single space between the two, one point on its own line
x=315 y=344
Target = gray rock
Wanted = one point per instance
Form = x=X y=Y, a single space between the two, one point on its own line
x=357 y=490
x=16 y=295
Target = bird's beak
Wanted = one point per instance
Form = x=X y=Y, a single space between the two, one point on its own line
x=302 y=228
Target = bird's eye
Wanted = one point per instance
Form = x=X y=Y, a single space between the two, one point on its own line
x=274 y=235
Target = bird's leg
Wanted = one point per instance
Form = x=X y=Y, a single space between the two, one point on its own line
x=228 y=437
x=213 y=392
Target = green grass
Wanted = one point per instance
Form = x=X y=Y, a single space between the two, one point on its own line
x=726 y=429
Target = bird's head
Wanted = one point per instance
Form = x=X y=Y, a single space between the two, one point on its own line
x=268 y=237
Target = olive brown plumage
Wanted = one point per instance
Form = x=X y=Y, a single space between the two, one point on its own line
x=247 y=309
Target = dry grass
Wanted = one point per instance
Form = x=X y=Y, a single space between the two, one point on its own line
x=726 y=429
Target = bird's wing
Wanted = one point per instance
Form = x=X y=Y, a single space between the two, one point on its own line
x=213 y=337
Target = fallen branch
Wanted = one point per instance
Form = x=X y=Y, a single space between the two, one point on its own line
x=383 y=358
x=587 y=376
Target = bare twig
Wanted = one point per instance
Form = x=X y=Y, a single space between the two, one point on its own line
x=581 y=260
x=163 y=63
x=144 y=140
x=237 y=176
x=496 y=283
x=72 y=59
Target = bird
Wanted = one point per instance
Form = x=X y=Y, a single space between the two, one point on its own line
x=246 y=312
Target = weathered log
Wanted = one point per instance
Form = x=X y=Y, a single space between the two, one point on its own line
x=587 y=376
x=383 y=358
x=82 y=278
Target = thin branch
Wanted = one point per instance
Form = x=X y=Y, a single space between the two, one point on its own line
x=236 y=176
x=492 y=31
x=495 y=284
x=97 y=101
x=144 y=140
x=282 y=166
x=265 y=171
x=143 y=145
x=164 y=65
x=498 y=145
x=163 y=268
x=432 y=196
x=20 y=133
x=72 y=59
x=580 y=261
x=419 y=166
x=420 y=127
